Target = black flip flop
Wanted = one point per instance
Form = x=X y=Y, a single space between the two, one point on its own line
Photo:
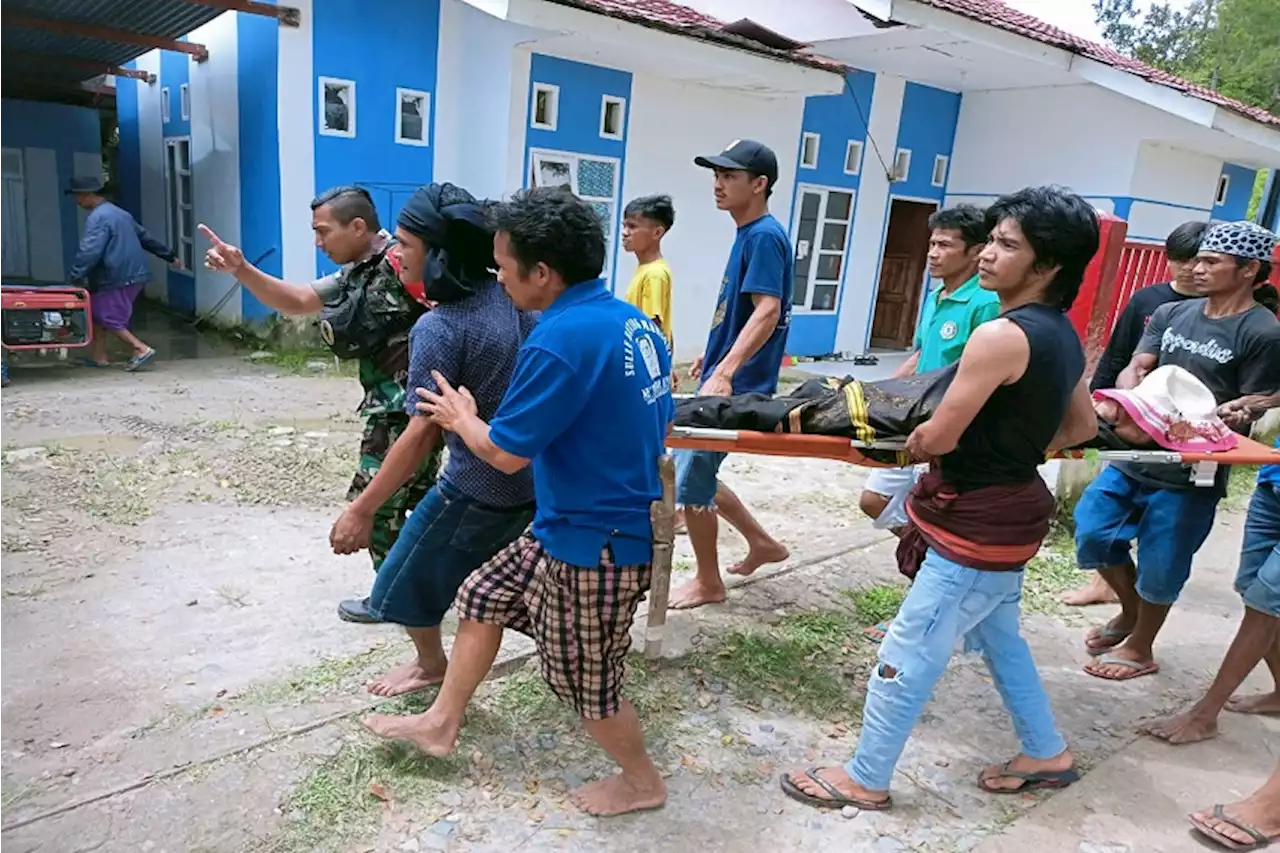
x=1212 y=835
x=1044 y=779
x=837 y=800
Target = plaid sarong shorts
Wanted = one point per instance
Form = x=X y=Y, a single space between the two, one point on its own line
x=579 y=617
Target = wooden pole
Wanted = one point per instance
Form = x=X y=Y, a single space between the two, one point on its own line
x=662 y=514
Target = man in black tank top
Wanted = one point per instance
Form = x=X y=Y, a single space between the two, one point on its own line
x=983 y=509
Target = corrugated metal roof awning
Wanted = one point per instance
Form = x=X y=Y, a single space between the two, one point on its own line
x=51 y=46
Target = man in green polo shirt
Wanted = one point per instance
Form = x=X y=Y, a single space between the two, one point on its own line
x=952 y=310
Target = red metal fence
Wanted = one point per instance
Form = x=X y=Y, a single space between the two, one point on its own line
x=1120 y=268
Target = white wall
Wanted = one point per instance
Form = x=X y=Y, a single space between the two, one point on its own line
x=151 y=164
x=670 y=124
x=215 y=158
x=469 y=141
x=296 y=92
x=870 y=219
x=44 y=213
x=1185 y=180
x=1078 y=136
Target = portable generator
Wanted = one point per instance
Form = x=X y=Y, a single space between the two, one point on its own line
x=35 y=317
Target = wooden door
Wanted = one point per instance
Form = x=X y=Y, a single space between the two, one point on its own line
x=906 y=247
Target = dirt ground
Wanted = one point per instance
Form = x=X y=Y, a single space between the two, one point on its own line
x=175 y=677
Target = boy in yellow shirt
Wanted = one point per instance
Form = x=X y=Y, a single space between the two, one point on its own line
x=645 y=221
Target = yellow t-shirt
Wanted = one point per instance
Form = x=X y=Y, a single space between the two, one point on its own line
x=650 y=291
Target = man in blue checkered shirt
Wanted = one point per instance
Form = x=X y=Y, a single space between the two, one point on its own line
x=471 y=338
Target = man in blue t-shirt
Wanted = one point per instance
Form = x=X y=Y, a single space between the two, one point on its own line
x=588 y=409
x=744 y=353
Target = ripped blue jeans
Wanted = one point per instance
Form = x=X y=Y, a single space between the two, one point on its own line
x=948 y=601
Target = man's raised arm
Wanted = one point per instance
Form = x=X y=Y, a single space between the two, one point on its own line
x=271 y=291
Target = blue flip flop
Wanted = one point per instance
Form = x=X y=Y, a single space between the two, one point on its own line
x=88 y=362
x=139 y=360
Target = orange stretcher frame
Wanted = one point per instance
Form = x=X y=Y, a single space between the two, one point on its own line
x=1247 y=452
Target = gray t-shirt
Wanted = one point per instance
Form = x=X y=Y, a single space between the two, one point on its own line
x=473 y=343
x=1233 y=356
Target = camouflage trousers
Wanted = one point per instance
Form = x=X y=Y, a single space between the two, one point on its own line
x=380 y=432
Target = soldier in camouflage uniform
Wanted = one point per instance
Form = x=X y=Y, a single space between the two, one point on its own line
x=346 y=227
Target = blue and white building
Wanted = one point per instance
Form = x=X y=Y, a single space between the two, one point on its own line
x=881 y=112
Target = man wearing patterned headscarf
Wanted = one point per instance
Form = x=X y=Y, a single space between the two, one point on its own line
x=1247 y=249
x=474 y=510
x=1230 y=341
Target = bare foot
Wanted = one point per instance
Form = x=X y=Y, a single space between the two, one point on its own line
x=1056 y=772
x=694 y=593
x=615 y=796
x=406 y=678
x=1260 y=703
x=432 y=736
x=1259 y=813
x=1097 y=591
x=760 y=555
x=1181 y=728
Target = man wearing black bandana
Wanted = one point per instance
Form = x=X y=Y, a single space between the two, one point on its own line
x=365 y=314
x=471 y=338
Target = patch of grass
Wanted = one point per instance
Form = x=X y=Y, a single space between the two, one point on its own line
x=326 y=678
x=876 y=604
x=1240 y=487
x=815 y=662
x=1051 y=573
x=341 y=800
x=295 y=360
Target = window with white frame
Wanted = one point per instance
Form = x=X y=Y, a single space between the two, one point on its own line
x=413 y=112
x=593 y=179
x=179 y=212
x=164 y=104
x=184 y=101
x=902 y=164
x=853 y=156
x=823 y=225
x=613 y=112
x=546 y=107
x=809 y=151
x=337 y=106
x=940 y=170
x=1224 y=184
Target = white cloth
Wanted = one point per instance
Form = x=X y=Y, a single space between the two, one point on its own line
x=894 y=484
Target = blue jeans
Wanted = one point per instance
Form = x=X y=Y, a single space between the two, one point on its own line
x=948 y=601
x=696 y=473
x=1169 y=524
x=1258 y=578
x=446 y=537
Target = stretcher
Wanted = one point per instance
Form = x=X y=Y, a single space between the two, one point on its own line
x=1246 y=452
x=1204 y=467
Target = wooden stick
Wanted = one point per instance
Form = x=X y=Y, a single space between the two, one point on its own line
x=662 y=514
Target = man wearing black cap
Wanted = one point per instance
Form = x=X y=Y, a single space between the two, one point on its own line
x=743 y=355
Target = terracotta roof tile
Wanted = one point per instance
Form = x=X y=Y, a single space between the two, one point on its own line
x=682 y=20
x=997 y=14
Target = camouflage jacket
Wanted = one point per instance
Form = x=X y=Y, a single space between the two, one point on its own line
x=382 y=376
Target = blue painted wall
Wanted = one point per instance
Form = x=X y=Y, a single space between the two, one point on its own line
x=1239 y=190
x=582 y=89
x=258 y=57
x=400 y=47
x=927 y=128
x=175 y=70
x=65 y=130
x=128 y=178
x=836 y=119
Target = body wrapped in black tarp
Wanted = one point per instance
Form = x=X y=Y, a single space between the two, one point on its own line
x=884 y=410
